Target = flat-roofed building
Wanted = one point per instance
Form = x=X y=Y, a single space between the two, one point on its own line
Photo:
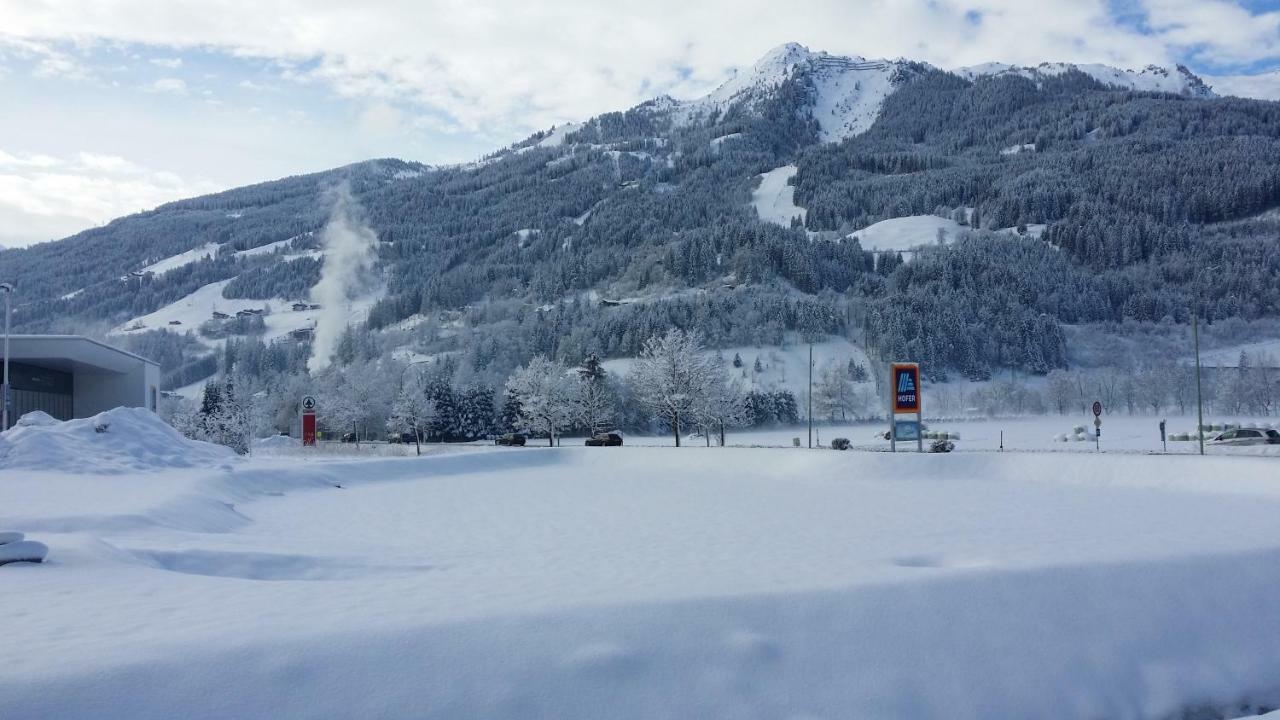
x=69 y=376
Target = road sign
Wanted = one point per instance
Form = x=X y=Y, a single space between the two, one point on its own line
x=906 y=387
x=1097 y=408
x=308 y=403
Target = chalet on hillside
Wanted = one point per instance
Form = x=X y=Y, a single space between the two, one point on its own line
x=220 y=315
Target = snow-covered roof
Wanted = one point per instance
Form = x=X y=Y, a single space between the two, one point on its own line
x=69 y=352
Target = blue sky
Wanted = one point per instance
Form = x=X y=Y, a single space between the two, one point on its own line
x=114 y=106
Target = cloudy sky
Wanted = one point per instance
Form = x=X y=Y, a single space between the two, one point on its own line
x=108 y=107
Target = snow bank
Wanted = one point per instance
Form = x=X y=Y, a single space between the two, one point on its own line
x=36 y=418
x=277 y=442
x=23 y=551
x=132 y=439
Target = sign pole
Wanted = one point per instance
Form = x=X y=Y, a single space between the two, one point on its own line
x=893 y=418
x=1097 y=426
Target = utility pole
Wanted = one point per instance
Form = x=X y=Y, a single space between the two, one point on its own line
x=1195 y=339
x=7 y=289
x=1195 y=336
x=810 y=396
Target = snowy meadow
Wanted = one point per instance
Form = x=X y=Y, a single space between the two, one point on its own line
x=634 y=582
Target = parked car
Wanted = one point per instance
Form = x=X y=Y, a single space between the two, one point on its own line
x=1247 y=436
x=511 y=440
x=348 y=437
x=405 y=438
x=605 y=440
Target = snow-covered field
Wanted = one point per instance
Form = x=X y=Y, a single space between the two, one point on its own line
x=639 y=582
x=1120 y=434
x=194 y=309
x=906 y=233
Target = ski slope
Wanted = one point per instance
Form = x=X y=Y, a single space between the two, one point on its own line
x=775 y=198
x=645 y=582
x=183 y=259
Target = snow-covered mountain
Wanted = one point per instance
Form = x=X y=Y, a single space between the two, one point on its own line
x=846 y=92
x=1177 y=80
x=705 y=213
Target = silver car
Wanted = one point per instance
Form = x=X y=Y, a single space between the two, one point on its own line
x=1247 y=436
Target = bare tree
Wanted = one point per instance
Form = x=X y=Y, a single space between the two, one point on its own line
x=673 y=377
x=724 y=405
x=1061 y=390
x=593 y=407
x=412 y=411
x=547 y=395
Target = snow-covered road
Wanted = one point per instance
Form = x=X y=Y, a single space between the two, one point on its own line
x=647 y=583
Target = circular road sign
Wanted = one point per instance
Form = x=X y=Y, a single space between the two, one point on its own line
x=308 y=403
x=1097 y=408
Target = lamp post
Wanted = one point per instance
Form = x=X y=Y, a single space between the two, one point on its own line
x=7 y=289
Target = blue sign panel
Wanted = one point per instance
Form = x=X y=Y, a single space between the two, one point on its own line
x=906 y=430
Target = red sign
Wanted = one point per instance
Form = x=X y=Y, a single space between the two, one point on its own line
x=309 y=429
x=1097 y=408
x=308 y=420
x=906 y=387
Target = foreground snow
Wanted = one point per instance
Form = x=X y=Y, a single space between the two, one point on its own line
x=647 y=583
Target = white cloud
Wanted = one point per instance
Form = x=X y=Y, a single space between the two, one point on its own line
x=516 y=64
x=44 y=197
x=173 y=86
x=171 y=63
x=1216 y=31
x=381 y=119
x=1265 y=86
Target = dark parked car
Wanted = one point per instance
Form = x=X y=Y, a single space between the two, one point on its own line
x=511 y=440
x=348 y=437
x=406 y=438
x=605 y=440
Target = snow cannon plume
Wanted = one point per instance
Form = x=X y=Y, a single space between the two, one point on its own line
x=349 y=255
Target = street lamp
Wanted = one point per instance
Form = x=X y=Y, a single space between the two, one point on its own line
x=7 y=289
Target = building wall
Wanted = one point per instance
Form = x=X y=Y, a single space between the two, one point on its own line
x=97 y=392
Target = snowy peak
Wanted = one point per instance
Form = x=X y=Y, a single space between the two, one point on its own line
x=1176 y=80
x=765 y=75
x=846 y=92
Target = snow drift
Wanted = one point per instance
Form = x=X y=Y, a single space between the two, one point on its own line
x=117 y=441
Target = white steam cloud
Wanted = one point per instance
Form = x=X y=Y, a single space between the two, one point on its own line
x=349 y=255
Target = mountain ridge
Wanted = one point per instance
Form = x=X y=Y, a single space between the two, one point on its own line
x=655 y=202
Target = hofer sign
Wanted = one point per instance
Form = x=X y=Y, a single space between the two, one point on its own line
x=906 y=387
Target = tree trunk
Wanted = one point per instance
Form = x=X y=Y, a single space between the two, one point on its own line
x=722 y=433
x=675 y=426
x=417 y=442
